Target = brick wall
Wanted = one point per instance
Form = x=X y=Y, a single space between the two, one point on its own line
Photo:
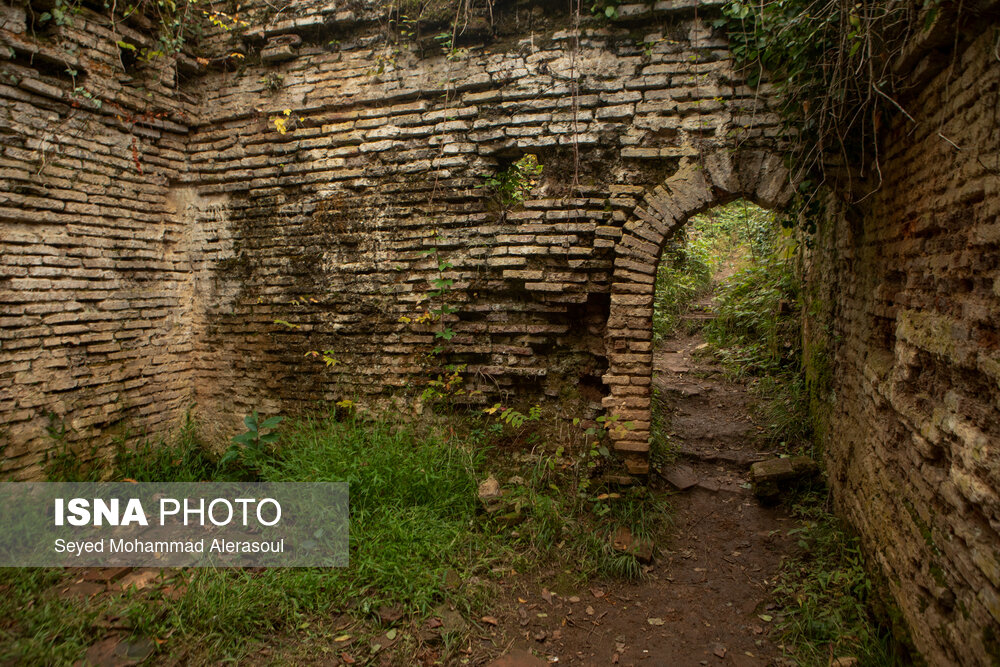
x=326 y=228
x=203 y=267
x=92 y=268
x=906 y=290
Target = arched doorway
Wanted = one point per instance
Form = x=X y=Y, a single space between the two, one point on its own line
x=714 y=179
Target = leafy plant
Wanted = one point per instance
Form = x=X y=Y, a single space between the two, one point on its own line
x=440 y=309
x=605 y=8
x=510 y=186
x=513 y=417
x=251 y=447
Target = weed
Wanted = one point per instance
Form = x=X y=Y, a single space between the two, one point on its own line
x=826 y=595
x=184 y=460
x=252 y=447
x=510 y=186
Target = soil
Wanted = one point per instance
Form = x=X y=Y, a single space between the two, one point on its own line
x=706 y=597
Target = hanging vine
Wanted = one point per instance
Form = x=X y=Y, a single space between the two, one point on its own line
x=833 y=65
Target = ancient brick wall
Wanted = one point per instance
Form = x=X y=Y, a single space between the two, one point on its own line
x=93 y=269
x=192 y=241
x=906 y=293
x=329 y=226
x=211 y=232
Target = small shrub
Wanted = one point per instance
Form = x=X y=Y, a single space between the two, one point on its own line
x=253 y=447
x=510 y=187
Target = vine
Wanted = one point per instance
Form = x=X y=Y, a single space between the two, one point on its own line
x=831 y=62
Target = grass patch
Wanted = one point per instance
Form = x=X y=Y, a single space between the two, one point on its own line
x=419 y=537
x=185 y=459
x=37 y=627
x=827 y=597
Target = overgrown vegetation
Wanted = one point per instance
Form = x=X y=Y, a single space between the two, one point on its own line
x=832 y=65
x=509 y=187
x=177 y=23
x=827 y=598
x=693 y=257
x=419 y=537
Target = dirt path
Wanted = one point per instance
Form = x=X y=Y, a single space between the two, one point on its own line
x=705 y=601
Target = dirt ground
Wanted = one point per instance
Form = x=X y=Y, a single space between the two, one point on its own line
x=705 y=600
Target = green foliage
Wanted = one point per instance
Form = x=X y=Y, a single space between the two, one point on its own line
x=510 y=186
x=513 y=417
x=695 y=254
x=412 y=500
x=757 y=335
x=827 y=597
x=252 y=447
x=756 y=330
x=416 y=524
x=441 y=287
x=177 y=22
x=827 y=61
x=39 y=628
x=605 y=8
x=781 y=410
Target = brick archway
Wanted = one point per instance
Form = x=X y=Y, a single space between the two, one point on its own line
x=714 y=179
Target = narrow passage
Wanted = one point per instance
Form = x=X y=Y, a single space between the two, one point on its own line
x=705 y=600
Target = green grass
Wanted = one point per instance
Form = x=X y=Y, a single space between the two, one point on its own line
x=827 y=597
x=186 y=459
x=37 y=627
x=413 y=503
x=416 y=527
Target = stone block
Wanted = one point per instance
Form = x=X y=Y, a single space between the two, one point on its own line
x=770 y=478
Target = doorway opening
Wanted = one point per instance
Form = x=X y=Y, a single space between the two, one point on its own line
x=726 y=309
